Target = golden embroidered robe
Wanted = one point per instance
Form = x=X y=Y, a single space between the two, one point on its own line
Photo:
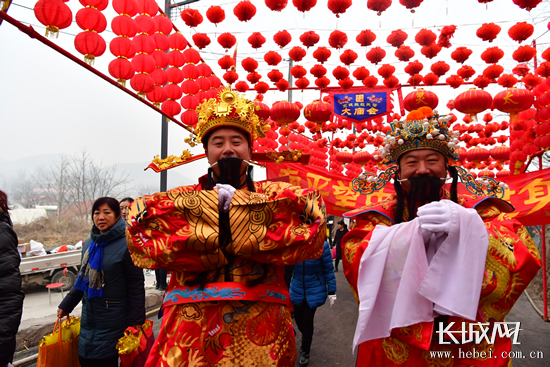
x=512 y=262
x=227 y=323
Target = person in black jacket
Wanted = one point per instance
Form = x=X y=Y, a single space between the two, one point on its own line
x=340 y=232
x=11 y=301
x=110 y=286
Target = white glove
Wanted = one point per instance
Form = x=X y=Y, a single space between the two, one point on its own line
x=225 y=194
x=331 y=299
x=435 y=217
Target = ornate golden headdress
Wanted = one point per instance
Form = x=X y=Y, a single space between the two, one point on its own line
x=228 y=109
x=423 y=129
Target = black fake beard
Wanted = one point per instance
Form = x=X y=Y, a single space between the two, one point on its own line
x=423 y=190
x=230 y=172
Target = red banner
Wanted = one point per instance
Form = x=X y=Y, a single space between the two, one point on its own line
x=529 y=193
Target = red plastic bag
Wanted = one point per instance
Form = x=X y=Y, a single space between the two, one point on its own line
x=334 y=252
x=135 y=345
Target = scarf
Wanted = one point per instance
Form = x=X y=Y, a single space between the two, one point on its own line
x=90 y=278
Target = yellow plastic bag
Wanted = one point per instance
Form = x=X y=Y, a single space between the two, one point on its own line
x=60 y=348
x=135 y=345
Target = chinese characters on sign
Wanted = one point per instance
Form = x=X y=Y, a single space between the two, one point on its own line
x=360 y=106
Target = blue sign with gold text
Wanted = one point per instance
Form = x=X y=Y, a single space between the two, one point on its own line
x=360 y=106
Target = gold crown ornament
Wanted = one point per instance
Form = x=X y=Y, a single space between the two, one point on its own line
x=229 y=109
x=423 y=129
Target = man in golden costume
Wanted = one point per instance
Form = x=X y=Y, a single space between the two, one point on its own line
x=226 y=241
x=435 y=268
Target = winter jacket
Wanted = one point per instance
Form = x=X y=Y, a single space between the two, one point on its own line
x=312 y=279
x=105 y=318
x=11 y=300
x=337 y=239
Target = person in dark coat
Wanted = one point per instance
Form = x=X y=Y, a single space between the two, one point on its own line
x=340 y=232
x=312 y=282
x=110 y=286
x=11 y=301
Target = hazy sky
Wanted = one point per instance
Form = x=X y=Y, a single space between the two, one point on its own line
x=48 y=104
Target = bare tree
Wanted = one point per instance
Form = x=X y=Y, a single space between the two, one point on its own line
x=26 y=191
x=143 y=189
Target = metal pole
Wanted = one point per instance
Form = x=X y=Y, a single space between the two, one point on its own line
x=289 y=80
x=543 y=258
x=164 y=123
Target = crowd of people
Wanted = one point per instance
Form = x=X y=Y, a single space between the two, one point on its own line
x=244 y=256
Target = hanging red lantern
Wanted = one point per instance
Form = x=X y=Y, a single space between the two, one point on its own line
x=365 y=38
x=414 y=67
x=338 y=6
x=201 y=40
x=521 y=70
x=507 y=81
x=340 y=73
x=361 y=73
x=527 y=4
x=543 y=69
x=492 y=55
x=492 y=72
x=425 y=37
x=440 y=68
x=253 y=78
x=122 y=47
x=524 y=53
x=282 y=85
x=481 y=81
x=191 y=17
x=531 y=81
x=415 y=80
x=54 y=14
x=488 y=31
x=461 y=54
x=298 y=71
x=192 y=56
x=501 y=153
x=309 y=39
x=261 y=87
x=318 y=112
x=190 y=71
x=322 y=82
x=91 y=19
x=404 y=53
x=454 y=81
x=521 y=31
x=249 y=64
x=322 y=54
x=215 y=14
x=244 y=10
x=370 y=81
x=284 y=112
x=348 y=57
x=90 y=44
x=318 y=71
x=420 y=98
x=301 y=83
x=447 y=32
x=473 y=101
x=391 y=82
x=282 y=38
x=227 y=40
x=276 y=5
x=430 y=79
x=171 y=107
x=431 y=51
x=226 y=62
x=121 y=69
x=378 y=5
x=477 y=154
x=466 y=72
x=375 y=55
x=513 y=101
x=346 y=83
x=275 y=75
x=272 y=58
x=231 y=77
x=256 y=40
x=262 y=110
x=385 y=71
x=296 y=53
x=410 y=4
x=397 y=38
x=304 y=5
x=337 y=39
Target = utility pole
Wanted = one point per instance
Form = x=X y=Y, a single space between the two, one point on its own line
x=289 y=79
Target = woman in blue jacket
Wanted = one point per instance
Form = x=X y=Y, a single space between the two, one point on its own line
x=312 y=281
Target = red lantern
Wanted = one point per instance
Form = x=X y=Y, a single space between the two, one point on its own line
x=488 y=31
x=121 y=69
x=513 y=101
x=262 y=110
x=378 y=5
x=521 y=31
x=215 y=14
x=276 y=5
x=230 y=77
x=304 y=5
x=190 y=87
x=531 y=81
x=365 y=38
x=431 y=51
x=385 y=71
x=227 y=40
x=282 y=85
x=370 y=81
x=318 y=71
x=142 y=83
x=338 y=6
x=177 y=41
x=375 y=55
x=90 y=44
x=284 y=112
x=298 y=71
x=524 y=53
x=244 y=10
x=454 y=81
x=430 y=79
x=492 y=72
x=346 y=83
x=297 y=53
x=301 y=83
x=477 y=154
x=201 y=40
x=420 y=98
x=440 y=68
x=415 y=80
x=253 y=77
x=410 y=4
x=54 y=14
x=191 y=17
x=261 y=87
x=527 y=4
x=309 y=39
x=348 y=57
x=397 y=38
x=91 y=19
x=361 y=73
x=473 y=101
x=543 y=69
x=425 y=37
x=337 y=39
x=192 y=56
x=461 y=54
x=282 y=38
x=272 y=58
x=322 y=82
x=340 y=73
x=481 y=81
x=391 y=82
x=256 y=40
x=507 y=81
x=321 y=54
x=318 y=112
x=414 y=67
x=275 y=75
x=445 y=36
x=492 y=55
x=501 y=153
x=226 y=62
x=249 y=64
x=521 y=70
x=171 y=107
x=404 y=53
